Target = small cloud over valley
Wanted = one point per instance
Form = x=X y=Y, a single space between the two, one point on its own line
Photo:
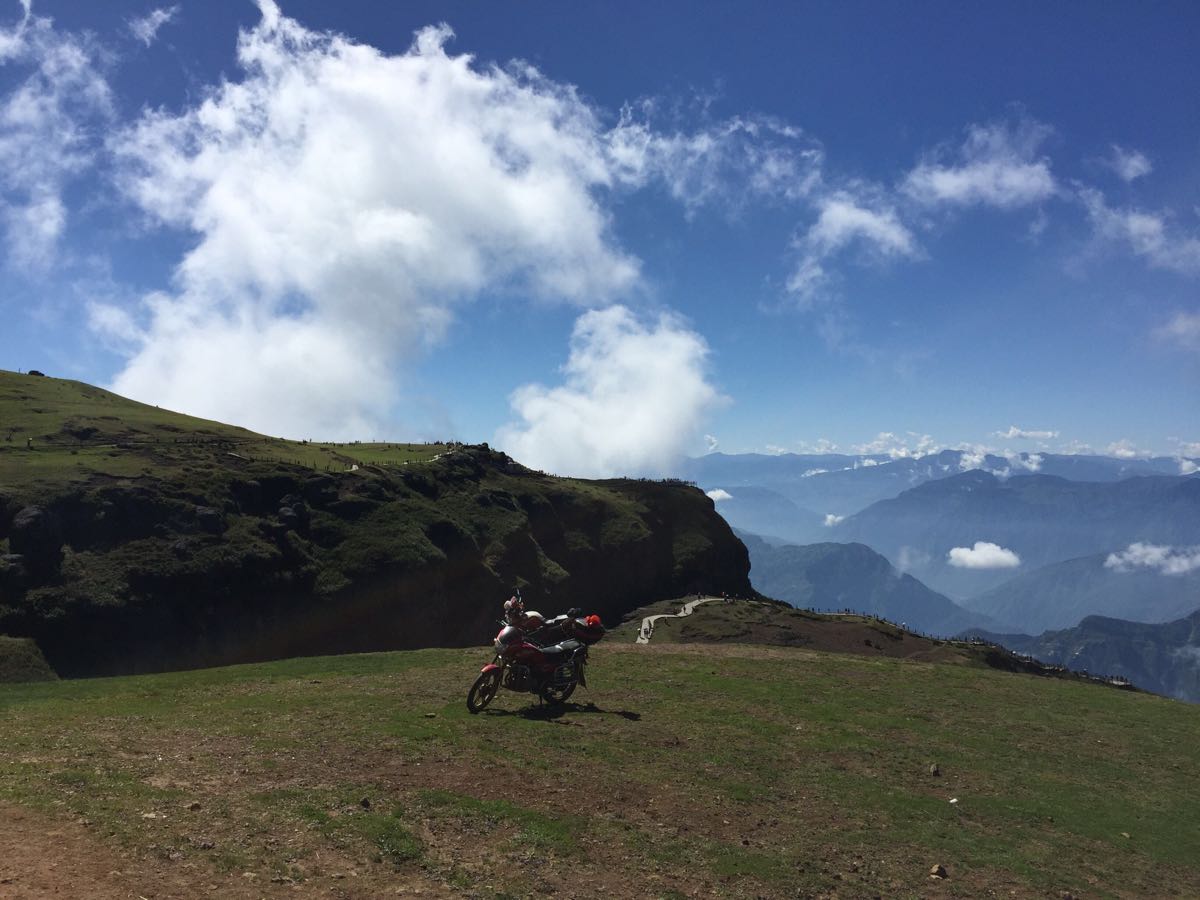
x=1165 y=560
x=984 y=555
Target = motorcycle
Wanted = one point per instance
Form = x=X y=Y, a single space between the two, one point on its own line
x=529 y=661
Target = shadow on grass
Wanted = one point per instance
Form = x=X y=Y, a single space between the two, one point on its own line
x=552 y=713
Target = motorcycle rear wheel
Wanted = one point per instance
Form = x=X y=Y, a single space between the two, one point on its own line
x=483 y=690
x=555 y=694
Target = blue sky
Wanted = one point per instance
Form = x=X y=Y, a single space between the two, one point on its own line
x=602 y=235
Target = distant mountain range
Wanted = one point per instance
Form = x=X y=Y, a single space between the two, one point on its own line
x=769 y=514
x=1061 y=594
x=1163 y=658
x=1043 y=519
x=831 y=576
x=843 y=484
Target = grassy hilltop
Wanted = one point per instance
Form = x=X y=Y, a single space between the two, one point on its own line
x=135 y=539
x=702 y=770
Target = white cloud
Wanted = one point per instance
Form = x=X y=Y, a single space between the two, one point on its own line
x=1167 y=560
x=975 y=456
x=911 y=558
x=1031 y=462
x=1129 y=164
x=1182 y=329
x=45 y=132
x=831 y=520
x=1125 y=449
x=12 y=43
x=1015 y=433
x=1185 y=448
x=711 y=444
x=821 y=446
x=912 y=445
x=145 y=29
x=1188 y=466
x=847 y=220
x=1147 y=234
x=114 y=324
x=1077 y=448
x=1189 y=652
x=338 y=191
x=635 y=394
x=346 y=203
x=972 y=458
x=984 y=555
x=718 y=495
x=724 y=162
x=997 y=165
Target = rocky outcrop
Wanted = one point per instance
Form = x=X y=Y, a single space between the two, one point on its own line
x=262 y=561
x=36 y=536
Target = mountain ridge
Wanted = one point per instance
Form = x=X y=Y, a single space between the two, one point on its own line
x=1163 y=657
x=1043 y=518
x=835 y=576
x=1060 y=595
x=135 y=539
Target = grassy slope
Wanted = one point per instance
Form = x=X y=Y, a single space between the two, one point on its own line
x=774 y=623
x=55 y=433
x=741 y=770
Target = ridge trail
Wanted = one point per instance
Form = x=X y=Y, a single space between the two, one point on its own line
x=647 y=629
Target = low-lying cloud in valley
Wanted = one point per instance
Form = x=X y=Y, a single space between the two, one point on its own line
x=984 y=555
x=1164 y=559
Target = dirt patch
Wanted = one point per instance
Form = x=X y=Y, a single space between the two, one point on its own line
x=42 y=856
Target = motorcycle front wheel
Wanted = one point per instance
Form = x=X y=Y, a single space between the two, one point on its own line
x=483 y=690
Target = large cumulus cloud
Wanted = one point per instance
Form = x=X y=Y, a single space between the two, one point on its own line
x=346 y=205
x=634 y=394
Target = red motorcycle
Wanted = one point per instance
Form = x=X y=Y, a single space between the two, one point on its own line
x=530 y=659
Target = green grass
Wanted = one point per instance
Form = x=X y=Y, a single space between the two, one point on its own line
x=744 y=771
x=55 y=432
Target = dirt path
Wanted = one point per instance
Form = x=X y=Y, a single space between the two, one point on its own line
x=647 y=630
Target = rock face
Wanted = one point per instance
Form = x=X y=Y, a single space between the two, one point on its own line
x=257 y=560
x=37 y=537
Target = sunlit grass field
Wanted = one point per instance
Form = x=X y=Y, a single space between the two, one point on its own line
x=735 y=770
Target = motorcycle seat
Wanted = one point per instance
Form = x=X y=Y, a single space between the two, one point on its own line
x=567 y=646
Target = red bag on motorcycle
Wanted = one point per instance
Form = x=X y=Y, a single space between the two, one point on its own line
x=588 y=630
